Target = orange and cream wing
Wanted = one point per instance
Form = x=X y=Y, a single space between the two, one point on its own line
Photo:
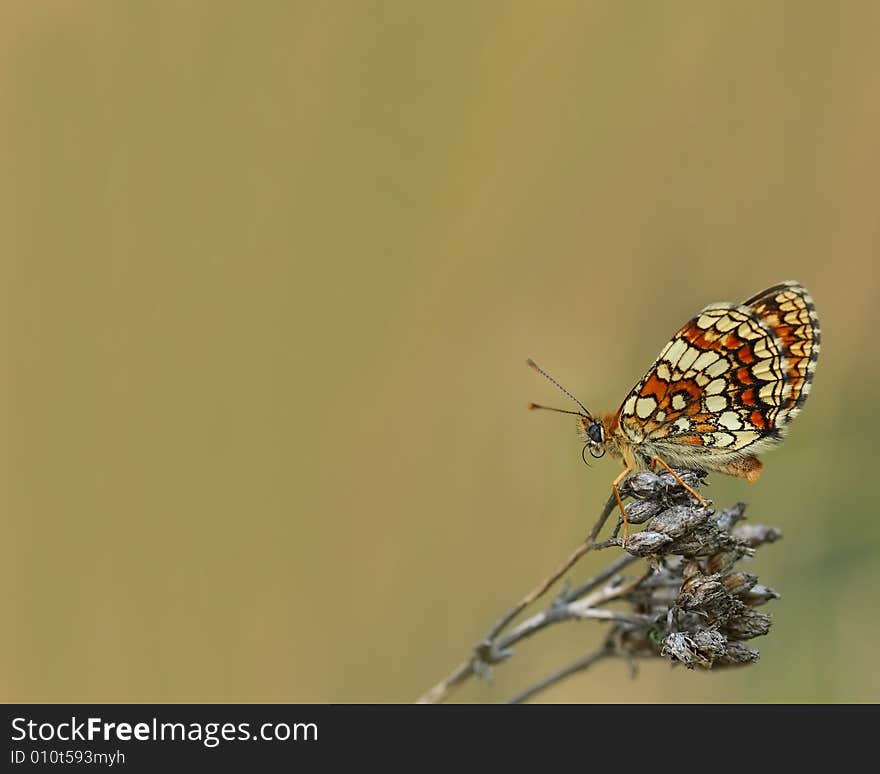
x=788 y=311
x=721 y=387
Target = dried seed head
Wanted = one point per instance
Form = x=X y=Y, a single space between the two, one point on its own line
x=639 y=511
x=756 y=534
x=646 y=543
x=702 y=648
x=700 y=604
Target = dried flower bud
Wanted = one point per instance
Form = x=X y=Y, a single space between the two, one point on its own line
x=697 y=604
x=699 y=649
x=758 y=595
x=739 y=583
x=678 y=521
x=646 y=483
x=756 y=534
x=737 y=653
x=706 y=543
x=747 y=623
x=639 y=511
x=701 y=590
x=643 y=484
x=730 y=516
x=645 y=543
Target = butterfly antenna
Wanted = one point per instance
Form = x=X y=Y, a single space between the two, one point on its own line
x=557 y=410
x=532 y=364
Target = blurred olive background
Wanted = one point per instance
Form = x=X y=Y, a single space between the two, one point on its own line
x=269 y=274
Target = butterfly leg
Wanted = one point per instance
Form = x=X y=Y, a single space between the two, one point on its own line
x=620 y=503
x=677 y=478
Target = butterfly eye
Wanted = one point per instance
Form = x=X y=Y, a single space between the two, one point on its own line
x=596 y=433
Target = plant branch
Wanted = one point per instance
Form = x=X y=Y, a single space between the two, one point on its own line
x=487 y=651
x=688 y=603
x=568 y=606
x=606 y=651
x=542 y=587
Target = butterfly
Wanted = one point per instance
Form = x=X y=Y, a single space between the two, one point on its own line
x=723 y=390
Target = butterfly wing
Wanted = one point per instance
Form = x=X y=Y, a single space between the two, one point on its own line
x=720 y=389
x=788 y=311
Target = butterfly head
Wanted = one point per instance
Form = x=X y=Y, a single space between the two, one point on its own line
x=593 y=432
x=591 y=429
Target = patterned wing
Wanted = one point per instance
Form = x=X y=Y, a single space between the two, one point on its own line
x=788 y=311
x=720 y=387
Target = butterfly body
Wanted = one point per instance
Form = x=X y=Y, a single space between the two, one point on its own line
x=639 y=455
x=723 y=390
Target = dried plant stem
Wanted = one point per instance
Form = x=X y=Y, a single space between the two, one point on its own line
x=606 y=651
x=688 y=603
x=569 y=605
x=489 y=650
x=439 y=692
